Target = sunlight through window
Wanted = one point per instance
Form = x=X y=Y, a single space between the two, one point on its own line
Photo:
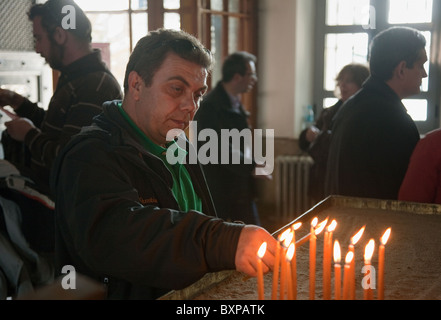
x=410 y=11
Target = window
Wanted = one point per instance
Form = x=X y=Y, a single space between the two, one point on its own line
x=344 y=37
x=224 y=26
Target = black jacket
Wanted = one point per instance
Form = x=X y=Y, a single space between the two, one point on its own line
x=118 y=221
x=372 y=140
x=228 y=183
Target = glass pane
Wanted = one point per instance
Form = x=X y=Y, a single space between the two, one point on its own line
x=340 y=50
x=216 y=47
x=139 y=27
x=114 y=29
x=329 y=102
x=347 y=12
x=416 y=108
x=410 y=11
x=217 y=5
x=172 y=21
x=103 y=5
x=234 y=6
x=172 y=4
x=233 y=34
x=139 y=4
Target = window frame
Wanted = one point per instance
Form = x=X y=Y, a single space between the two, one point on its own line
x=246 y=39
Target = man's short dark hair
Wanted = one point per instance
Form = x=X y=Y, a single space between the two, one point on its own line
x=236 y=63
x=151 y=51
x=52 y=17
x=392 y=46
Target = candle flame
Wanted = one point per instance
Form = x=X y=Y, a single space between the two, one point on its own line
x=369 y=250
x=297 y=226
x=357 y=236
x=283 y=236
x=262 y=250
x=290 y=252
x=321 y=226
x=349 y=257
x=337 y=252
x=288 y=239
x=385 y=236
x=314 y=222
x=332 y=226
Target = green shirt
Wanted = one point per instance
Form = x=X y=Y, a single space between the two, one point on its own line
x=183 y=189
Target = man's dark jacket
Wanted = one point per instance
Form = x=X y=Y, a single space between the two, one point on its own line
x=118 y=221
x=372 y=140
x=230 y=184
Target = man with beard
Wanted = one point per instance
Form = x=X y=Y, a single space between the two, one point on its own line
x=35 y=135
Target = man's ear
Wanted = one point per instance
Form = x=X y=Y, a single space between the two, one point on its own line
x=135 y=82
x=60 y=36
x=400 y=70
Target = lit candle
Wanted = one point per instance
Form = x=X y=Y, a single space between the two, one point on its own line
x=337 y=270
x=368 y=252
x=283 y=269
x=277 y=264
x=306 y=238
x=383 y=242
x=327 y=249
x=347 y=275
x=312 y=244
x=315 y=231
x=353 y=242
x=294 y=262
x=260 y=288
x=289 y=256
x=294 y=274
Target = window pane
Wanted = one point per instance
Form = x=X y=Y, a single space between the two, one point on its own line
x=329 y=102
x=233 y=34
x=347 y=12
x=234 y=6
x=172 y=4
x=410 y=11
x=113 y=29
x=103 y=5
x=139 y=4
x=216 y=46
x=139 y=27
x=340 y=50
x=172 y=21
x=416 y=108
x=217 y=5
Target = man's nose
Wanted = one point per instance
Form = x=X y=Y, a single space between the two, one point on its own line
x=190 y=104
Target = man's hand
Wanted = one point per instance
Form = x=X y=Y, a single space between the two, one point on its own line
x=250 y=240
x=18 y=128
x=10 y=98
x=312 y=133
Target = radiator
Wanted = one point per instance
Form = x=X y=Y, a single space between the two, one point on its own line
x=292 y=181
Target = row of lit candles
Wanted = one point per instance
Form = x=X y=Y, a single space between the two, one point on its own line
x=286 y=265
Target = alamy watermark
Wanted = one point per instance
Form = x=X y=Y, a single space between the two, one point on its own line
x=69 y=20
x=69 y=281
x=368 y=281
x=370 y=13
